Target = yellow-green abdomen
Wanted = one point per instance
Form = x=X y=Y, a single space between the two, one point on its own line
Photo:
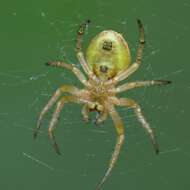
x=108 y=54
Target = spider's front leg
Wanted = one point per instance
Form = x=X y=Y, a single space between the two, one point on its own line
x=120 y=139
x=55 y=118
x=65 y=88
x=137 y=109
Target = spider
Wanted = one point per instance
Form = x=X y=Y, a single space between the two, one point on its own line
x=107 y=62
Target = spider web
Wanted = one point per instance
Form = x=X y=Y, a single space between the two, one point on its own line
x=45 y=81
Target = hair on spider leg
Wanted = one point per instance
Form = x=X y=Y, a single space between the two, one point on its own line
x=47 y=63
x=83 y=27
x=53 y=63
x=139 y=23
x=141 y=29
x=88 y=21
x=164 y=82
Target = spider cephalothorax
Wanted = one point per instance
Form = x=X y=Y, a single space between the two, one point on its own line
x=107 y=63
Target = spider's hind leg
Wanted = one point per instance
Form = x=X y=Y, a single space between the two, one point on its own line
x=79 y=52
x=80 y=34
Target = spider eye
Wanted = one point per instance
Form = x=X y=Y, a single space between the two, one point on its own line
x=103 y=69
x=107 y=45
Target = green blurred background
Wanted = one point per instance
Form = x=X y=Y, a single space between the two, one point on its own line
x=34 y=32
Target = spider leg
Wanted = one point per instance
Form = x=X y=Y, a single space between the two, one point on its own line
x=141 y=42
x=54 y=98
x=85 y=112
x=71 y=67
x=45 y=110
x=131 y=85
x=123 y=75
x=52 y=124
x=101 y=117
x=79 y=52
x=120 y=139
x=55 y=118
x=137 y=109
x=80 y=34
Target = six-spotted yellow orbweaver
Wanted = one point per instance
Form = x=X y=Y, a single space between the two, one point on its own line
x=107 y=62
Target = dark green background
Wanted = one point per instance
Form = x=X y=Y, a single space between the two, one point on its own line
x=33 y=32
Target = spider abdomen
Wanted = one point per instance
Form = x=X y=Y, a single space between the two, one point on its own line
x=108 y=54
